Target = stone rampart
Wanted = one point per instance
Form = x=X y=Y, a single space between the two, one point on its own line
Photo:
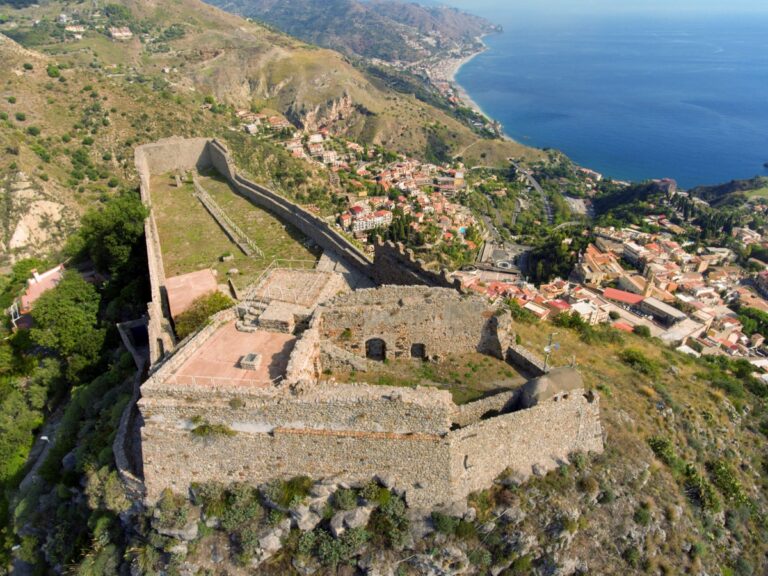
x=542 y=437
x=312 y=226
x=526 y=360
x=334 y=434
x=175 y=458
x=396 y=264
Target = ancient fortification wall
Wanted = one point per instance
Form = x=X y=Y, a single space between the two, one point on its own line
x=439 y=321
x=312 y=226
x=160 y=158
x=336 y=438
x=397 y=265
x=541 y=437
x=174 y=459
x=320 y=428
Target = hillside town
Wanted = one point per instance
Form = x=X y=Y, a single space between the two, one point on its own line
x=647 y=283
x=378 y=189
x=634 y=280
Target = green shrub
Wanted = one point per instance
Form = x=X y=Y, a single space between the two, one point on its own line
x=632 y=556
x=334 y=551
x=208 y=430
x=374 y=493
x=33 y=131
x=443 y=523
x=28 y=66
x=480 y=557
x=465 y=530
x=389 y=523
x=20 y=116
x=198 y=314
x=522 y=566
x=53 y=71
x=699 y=491
x=639 y=361
x=290 y=493
x=724 y=478
x=211 y=496
x=237 y=403
x=664 y=450
x=172 y=511
x=642 y=330
x=345 y=499
x=241 y=507
x=11 y=99
x=642 y=515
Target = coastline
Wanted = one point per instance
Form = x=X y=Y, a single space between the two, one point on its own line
x=463 y=95
x=461 y=92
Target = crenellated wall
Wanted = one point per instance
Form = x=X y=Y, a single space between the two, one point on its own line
x=395 y=264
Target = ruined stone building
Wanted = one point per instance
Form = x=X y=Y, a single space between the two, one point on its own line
x=253 y=396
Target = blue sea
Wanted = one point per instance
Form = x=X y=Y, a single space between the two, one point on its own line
x=634 y=96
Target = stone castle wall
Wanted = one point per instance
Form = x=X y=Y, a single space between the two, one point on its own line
x=396 y=264
x=433 y=466
x=542 y=437
x=312 y=226
x=305 y=426
x=439 y=320
x=174 y=459
x=159 y=158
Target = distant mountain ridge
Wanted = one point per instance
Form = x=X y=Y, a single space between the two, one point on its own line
x=388 y=30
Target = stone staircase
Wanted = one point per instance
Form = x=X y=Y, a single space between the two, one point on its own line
x=249 y=314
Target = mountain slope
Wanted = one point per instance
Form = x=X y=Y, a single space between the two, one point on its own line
x=190 y=47
x=385 y=29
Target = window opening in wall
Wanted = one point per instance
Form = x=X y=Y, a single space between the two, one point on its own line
x=419 y=351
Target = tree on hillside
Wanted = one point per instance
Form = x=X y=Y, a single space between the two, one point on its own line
x=66 y=320
x=108 y=235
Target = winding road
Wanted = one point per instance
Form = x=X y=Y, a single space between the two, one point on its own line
x=536 y=186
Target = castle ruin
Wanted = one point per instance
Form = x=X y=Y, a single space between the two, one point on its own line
x=252 y=396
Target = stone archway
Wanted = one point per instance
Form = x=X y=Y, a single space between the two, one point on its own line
x=376 y=349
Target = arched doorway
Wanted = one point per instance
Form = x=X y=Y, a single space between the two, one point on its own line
x=376 y=349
